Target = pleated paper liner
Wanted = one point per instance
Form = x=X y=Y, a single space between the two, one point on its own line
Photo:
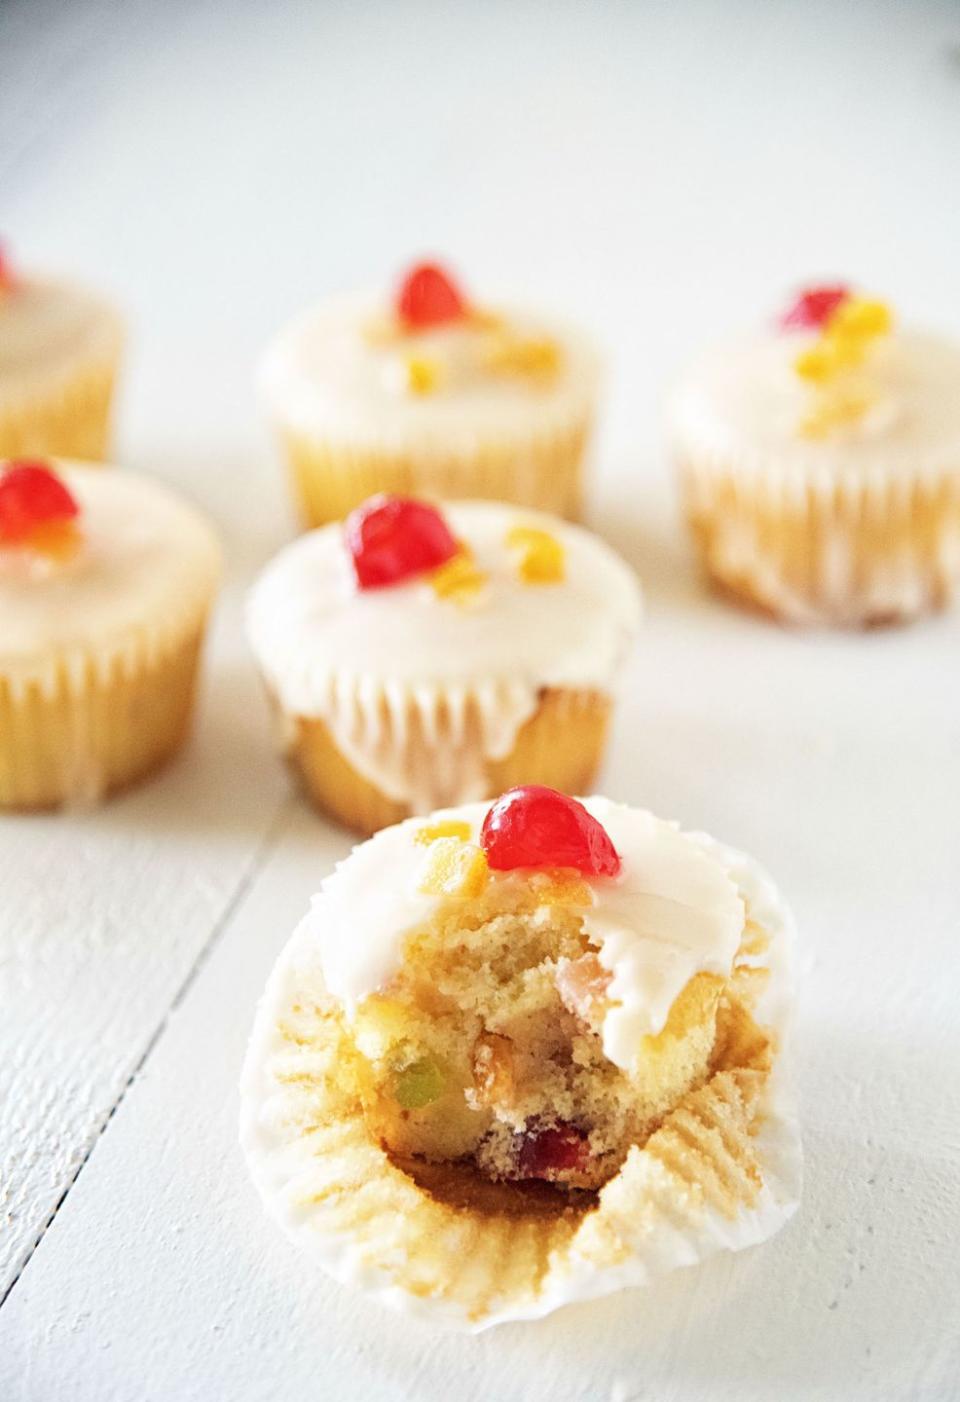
x=560 y=745
x=542 y=470
x=721 y=1172
x=94 y=726
x=856 y=549
x=65 y=414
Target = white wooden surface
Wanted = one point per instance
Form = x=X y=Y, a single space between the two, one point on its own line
x=662 y=172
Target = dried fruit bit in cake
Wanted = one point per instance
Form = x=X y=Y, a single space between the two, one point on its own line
x=533 y=826
x=454 y=868
x=392 y=538
x=428 y=296
x=493 y=1069
x=421 y=1083
x=535 y=357
x=423 y=375
x=552 y=1152
x=540 y=556
x=36 y=508
x=860 y=318
x=448 y=827
x=582 y=984
x=815 y=305
x=459 y=579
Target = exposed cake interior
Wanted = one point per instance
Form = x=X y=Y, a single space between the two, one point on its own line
x=486 y=1046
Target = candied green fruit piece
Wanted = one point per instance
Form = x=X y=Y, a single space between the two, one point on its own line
x=419 y=1084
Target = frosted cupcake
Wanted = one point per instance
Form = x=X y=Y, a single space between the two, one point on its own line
x=428 y=393
x=105 y=585
x=417 y=658
x=820 y=463
x=522 y=1055
x=59 y=350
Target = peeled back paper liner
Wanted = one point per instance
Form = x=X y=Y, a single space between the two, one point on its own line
x=540 y=469
x=87 y=721
x=837 y=545
x=380 y=754
x=723 y=1171
x=66 y=412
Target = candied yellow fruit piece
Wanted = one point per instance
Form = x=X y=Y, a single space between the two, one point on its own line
x=561 y=888
x=449 y=827
x=844 y=340
x=541 y=558
x=860 y=317
x=535 y=357
x=423 y=375
x=459 y=579
x=454 y=868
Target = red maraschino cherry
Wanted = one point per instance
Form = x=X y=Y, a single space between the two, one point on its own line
x=7 y=278
x=534 y=826
x=428 y=296
x=815 y=306
x=31 y=496
x=392 y=538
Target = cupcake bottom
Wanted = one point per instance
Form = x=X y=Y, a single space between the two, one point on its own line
x=544 y=472
x=855 y=552
x=720 y=1169
x=95 y=733
x=560 y=745
x=70 y=418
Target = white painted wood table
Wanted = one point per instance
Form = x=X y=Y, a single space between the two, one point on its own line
x=663 y=173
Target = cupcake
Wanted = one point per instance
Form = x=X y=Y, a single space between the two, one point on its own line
x=820 y=463
x=106 y=580
x=524 y=1054
x=59 y=350
x=417 y=658
x=428 y=393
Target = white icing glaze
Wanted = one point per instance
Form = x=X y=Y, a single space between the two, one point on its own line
x=373 y=664
x=46 y=327
x=674 y=912
x=740 y=407
x=145 y=574
x=325 y=375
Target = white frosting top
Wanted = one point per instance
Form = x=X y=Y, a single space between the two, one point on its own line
x=45 y=326
x=328 y=372
x=145 y=571
x=743 y=404
x=673 y=912
x=331 y=650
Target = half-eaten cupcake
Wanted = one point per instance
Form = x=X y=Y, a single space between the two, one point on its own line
x=525 y=1053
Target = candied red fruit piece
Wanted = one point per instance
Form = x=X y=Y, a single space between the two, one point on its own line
x=428 y=296
x=6 y=270
x=31 y=496
x=815 y=306
x=546 y=1153
x=533 y=826
x=391 y=538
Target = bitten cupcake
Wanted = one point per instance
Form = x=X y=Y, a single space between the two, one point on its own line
x=526 y=1054
x=418 y=657
x=430 y=393
x=106 y=580
x=820 y=463
x=59 y=351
